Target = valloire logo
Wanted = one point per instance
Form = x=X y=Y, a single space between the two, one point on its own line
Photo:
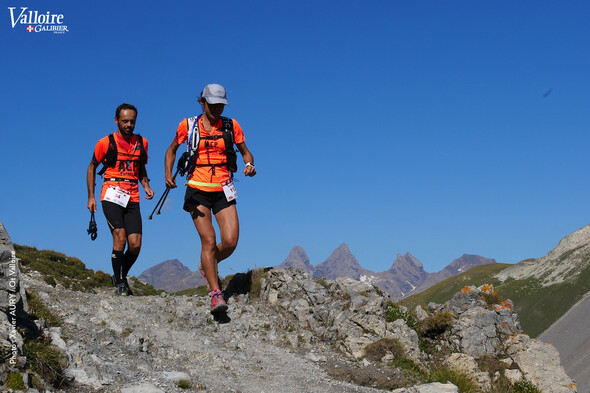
x=37 y=22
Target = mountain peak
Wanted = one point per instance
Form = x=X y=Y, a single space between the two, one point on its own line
x=297 y=258
x=406 y=260
x=341 y=263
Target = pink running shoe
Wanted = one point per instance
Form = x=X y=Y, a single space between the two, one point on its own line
x=200 y=267
x=218 y=303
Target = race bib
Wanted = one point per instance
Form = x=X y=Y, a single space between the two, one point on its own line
x=230 y=190
x=117 y=195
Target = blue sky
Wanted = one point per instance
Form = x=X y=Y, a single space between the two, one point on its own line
x=436 y=128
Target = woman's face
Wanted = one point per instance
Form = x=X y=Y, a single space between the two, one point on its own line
x=212 y=111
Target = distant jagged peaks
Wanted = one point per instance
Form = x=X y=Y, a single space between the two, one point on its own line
x=298 y=259
x=405 y=277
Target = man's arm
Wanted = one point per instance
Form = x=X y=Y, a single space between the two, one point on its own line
x=145 y=182
x=249 y=170
x=90 y=183
x=169 y=159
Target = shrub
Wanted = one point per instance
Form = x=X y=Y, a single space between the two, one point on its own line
x=375 y=351
x=525 y=387
x=437 y=324
x=38 y=310
x=322 y=281
x=143 y=289
x=394 y=313
x=184 y=384
x=256 y=277
x=46 y=360
x=461 y=380
x=492 y=298
x=15 y=381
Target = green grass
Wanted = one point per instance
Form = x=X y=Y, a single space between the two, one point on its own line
x=15 y=381
x=198 y=291
x=39 y=310
x=46 y=360
x=142 y=289
x=445 y=290
x=538 y=307
x=461 y=380
x=56 y=268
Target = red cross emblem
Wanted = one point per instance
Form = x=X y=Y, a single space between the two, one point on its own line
x=30 y=28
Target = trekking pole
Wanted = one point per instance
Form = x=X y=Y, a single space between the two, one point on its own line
x=180 y=168
x=162 y=199
x=92 y=228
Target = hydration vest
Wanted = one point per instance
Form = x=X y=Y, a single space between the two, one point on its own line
x=110 y=158
x=194 y=137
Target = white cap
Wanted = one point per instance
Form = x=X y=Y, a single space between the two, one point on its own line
x=214 y=94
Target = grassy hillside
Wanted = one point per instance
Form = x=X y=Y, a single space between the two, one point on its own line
x=58 y=268
x=537 y=306
x=446 y=289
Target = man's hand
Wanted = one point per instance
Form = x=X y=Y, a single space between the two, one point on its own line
x=149 y=193
x=170 y=181
x=92 y=204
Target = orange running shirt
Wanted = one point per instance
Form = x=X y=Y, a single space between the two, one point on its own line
x=127 y=166
x=210 y=152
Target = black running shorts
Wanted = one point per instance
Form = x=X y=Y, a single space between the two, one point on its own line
x=215 y=200
x=123 y=217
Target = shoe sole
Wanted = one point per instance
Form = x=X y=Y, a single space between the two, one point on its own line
x=219 y=308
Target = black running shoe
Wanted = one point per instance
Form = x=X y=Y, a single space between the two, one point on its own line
x=123 y=290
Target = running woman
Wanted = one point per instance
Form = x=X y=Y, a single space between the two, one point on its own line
x=210 y=192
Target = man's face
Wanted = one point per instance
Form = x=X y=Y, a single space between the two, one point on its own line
x=126 y=121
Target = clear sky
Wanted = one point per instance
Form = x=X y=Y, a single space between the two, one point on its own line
x=432 y=127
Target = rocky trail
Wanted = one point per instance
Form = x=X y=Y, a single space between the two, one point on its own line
x=151 y=343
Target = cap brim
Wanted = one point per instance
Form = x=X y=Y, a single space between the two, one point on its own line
x=217 y=101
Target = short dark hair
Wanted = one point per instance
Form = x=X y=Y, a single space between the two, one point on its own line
x=124 y=106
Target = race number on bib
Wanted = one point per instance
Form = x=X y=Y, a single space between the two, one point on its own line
x=230 y=190
x=117 y=195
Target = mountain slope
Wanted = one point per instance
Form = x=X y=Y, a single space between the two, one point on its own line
x=543 y=289
x=458 y=266
x=571 y=337
x=172 y=276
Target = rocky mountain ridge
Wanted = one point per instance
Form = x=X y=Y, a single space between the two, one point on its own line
x=339 y=336
x=405 y=277
x=563 y=263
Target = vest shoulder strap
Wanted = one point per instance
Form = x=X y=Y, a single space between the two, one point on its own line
x=110 y=158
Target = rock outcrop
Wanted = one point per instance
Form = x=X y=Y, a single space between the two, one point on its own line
x=13 y=304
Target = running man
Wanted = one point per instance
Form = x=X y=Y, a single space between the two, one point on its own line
x=124 y=156
x=210 y=137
